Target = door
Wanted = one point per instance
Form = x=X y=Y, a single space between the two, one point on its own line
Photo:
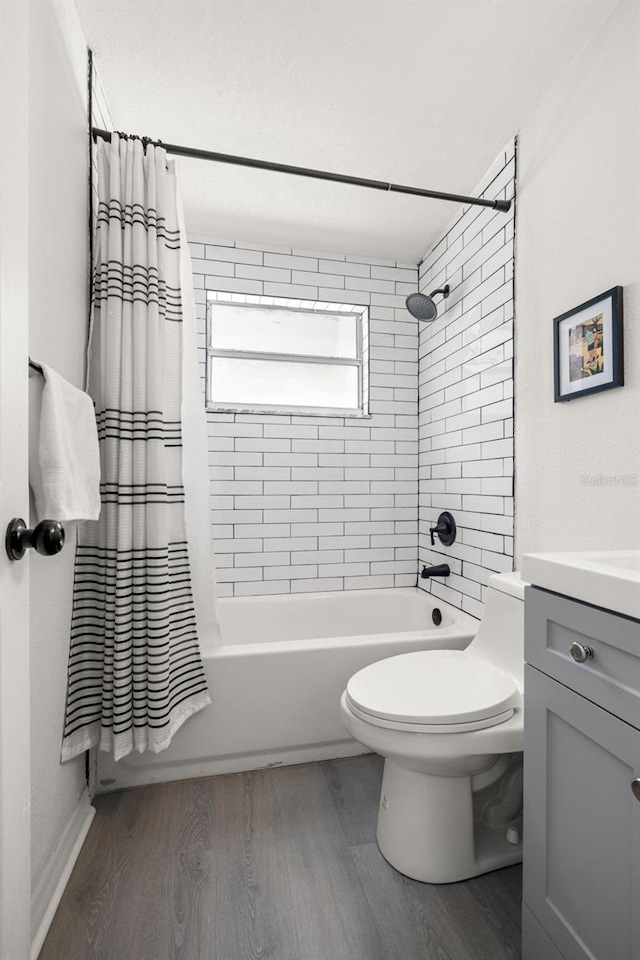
x=582 y=824
x=15 y=884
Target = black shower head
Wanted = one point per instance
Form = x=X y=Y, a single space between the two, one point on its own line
x=422 y=307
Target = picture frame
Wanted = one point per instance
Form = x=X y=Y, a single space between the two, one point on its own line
x=588 y=347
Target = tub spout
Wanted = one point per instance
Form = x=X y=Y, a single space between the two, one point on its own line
x=440 y=570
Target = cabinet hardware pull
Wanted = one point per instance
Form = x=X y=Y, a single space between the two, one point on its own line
x=635 y=786
x=580 y=652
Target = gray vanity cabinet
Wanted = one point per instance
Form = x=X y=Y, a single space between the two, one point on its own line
x=582 y=818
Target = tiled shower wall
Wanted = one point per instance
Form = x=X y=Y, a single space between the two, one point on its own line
x=466 y=395
x=302 y=504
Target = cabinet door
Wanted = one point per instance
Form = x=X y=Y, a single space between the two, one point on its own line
x=581 y=824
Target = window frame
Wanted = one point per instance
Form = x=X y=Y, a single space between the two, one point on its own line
x=360 y=312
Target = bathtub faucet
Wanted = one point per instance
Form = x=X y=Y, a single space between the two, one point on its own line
x=440 y=570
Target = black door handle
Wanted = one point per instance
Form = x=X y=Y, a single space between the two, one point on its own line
x=47 y=538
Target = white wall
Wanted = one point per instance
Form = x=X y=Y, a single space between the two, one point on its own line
x=303 y=504
x=578 y=234
x=466 y=394
x=58 y=265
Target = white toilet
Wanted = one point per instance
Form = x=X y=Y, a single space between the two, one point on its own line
x=449 y=724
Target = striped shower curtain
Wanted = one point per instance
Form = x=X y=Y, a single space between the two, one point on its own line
x=135 y=670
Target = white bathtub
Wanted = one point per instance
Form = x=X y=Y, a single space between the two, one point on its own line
x=276 y=680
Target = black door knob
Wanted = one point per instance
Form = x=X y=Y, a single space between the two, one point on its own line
x=47 y=538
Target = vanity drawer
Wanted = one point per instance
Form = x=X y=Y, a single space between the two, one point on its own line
x=611 y=676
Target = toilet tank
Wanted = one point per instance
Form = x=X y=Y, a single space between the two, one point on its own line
x=500 y=637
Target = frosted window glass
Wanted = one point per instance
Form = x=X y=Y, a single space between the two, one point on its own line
x=276 y=383
x=275 y=330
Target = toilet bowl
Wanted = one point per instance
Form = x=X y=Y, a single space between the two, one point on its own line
x=449 y=725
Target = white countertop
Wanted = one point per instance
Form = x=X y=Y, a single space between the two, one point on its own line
x=608 y=579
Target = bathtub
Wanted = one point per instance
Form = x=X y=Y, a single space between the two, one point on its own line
x=276 y=680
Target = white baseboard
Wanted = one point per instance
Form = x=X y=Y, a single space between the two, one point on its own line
x=56 y=873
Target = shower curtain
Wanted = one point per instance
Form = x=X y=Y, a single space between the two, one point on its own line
x=135 y=668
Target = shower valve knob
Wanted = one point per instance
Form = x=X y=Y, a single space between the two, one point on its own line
x=445 y=530
x=47 y=538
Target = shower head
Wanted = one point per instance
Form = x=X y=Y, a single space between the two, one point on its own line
x=422 y=306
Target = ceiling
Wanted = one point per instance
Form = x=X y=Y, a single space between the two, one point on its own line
x=421 y=92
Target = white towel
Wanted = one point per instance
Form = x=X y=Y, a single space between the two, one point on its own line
x=64 y=469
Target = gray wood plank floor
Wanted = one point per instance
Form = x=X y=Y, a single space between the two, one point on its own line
x=279 y=864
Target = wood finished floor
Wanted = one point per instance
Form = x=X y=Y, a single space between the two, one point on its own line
x=279 y=864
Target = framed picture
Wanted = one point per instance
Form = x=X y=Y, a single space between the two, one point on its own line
x=587 y=347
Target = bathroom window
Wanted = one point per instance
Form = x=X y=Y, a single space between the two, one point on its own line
x=279 y=355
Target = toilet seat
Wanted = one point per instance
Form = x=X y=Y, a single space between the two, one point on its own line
x=433 y=691
x=409 y=727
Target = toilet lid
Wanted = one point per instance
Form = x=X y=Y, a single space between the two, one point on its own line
x=433 y=687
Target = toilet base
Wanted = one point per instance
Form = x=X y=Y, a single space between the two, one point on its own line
x=427 y=831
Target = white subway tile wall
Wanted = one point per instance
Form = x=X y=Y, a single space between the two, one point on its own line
x=466 y=395
x=302 y=504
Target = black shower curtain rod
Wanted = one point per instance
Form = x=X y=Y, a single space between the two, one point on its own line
x=194 y=154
